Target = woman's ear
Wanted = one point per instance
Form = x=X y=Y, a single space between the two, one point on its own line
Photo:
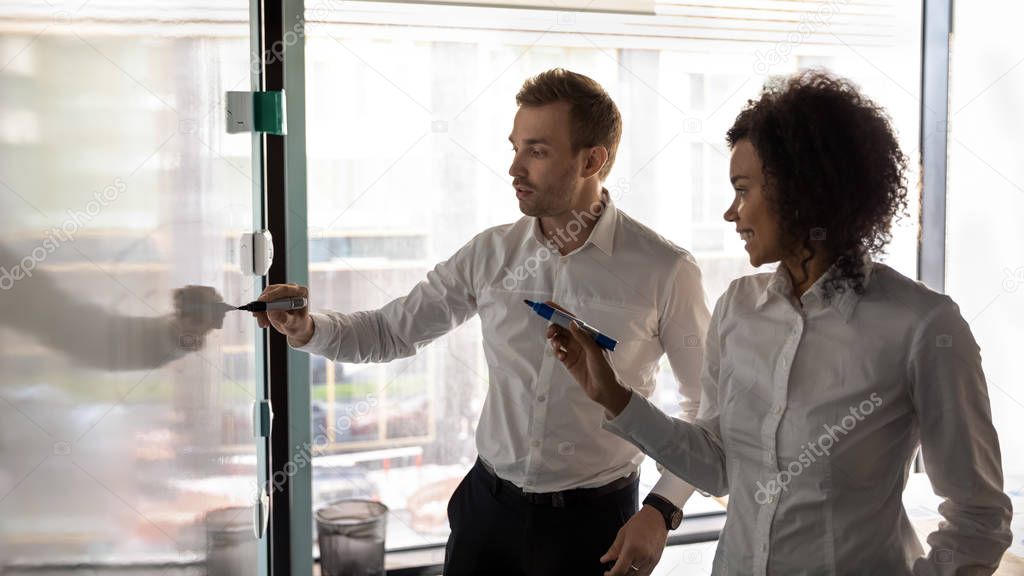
x=597 y=157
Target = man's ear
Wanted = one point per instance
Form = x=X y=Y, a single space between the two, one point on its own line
x=594 y=161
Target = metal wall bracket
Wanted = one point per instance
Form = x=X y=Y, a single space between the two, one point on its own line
x=262 y=415
x=256 y=112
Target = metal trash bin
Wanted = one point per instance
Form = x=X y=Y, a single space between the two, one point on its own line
x=351 y=537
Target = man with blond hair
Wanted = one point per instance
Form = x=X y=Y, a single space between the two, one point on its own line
x=551 y=493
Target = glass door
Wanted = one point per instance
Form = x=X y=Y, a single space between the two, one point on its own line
x=126 y=384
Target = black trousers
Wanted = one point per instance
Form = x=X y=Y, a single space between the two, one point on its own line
x=496 y=532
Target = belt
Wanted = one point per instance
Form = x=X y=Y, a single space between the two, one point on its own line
x=564 y=498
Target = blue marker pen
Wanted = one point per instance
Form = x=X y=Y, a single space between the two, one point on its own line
x=556 y=316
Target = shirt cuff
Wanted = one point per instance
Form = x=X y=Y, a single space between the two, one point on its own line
x=323 y=334
x=672 y=488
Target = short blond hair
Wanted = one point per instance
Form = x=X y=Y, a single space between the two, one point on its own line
x=594 y=119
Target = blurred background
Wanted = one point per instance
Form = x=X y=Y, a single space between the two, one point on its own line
x=126 y=425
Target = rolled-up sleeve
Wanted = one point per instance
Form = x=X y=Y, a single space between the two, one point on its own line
x=434 y=307
x=959 y=446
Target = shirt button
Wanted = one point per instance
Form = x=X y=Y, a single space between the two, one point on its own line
x=528 y=482
x=777 y=410
x=764 y=547
x=771 y=454
x=535 y=443
x=541 y=398
x=771 y=498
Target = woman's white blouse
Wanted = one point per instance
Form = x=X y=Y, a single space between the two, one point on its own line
x=810 y=416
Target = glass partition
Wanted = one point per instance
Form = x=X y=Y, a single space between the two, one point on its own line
x=126 y=388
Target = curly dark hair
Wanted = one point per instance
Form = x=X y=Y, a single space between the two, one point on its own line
x=833 y=169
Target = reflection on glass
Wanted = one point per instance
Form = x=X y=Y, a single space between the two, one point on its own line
x=230 y=546
x=126 y=386
x=411 y=165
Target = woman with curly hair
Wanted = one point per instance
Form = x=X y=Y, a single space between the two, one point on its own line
x=822 y=378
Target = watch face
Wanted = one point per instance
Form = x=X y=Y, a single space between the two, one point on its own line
x=677 y=518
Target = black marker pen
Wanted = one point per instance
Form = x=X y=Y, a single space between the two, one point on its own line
x=283 y=304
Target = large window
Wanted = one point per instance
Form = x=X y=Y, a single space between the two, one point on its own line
x=985 y=200
x=410 y=107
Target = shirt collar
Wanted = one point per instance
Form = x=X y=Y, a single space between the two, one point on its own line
x=602 y=235
x=844 y=302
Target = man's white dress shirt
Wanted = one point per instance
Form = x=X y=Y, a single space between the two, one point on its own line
x=538 y=428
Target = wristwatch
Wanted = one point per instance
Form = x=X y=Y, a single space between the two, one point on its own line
x=673 y=515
